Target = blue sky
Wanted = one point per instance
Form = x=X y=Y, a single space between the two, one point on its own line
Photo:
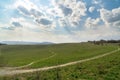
x=59 y=20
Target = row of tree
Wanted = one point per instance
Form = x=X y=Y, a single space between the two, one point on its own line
x=104 y=41
x=2 y=44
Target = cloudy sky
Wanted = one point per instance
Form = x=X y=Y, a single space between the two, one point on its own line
x=59 y=20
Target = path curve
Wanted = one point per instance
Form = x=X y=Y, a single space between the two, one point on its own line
x=24 y=66
x=13 y=72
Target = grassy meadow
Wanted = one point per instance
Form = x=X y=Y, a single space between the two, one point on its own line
x=49 y=55
x=105 y=68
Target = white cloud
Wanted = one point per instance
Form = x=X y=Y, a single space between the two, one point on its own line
x=60 y=22
x=111 y=18
x=91 y=9
x=26 y=4
x=40 y=17
x=27 y=35
x=27 y=8
x=92 y=23
x=69 y=11
x=96 y=1
x=97 y=34
x=25 y=24
x=75 y=10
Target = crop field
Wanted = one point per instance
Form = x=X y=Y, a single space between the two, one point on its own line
x=49 y=55
x=104 y=68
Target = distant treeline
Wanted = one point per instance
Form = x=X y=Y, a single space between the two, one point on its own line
x=104 y=41
x=2 y=44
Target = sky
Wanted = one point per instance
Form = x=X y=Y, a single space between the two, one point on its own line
x=59 y=21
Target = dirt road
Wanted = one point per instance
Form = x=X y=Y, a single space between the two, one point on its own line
x=5 y=72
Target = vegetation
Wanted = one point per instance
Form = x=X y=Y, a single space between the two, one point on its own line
x=2 y=59
x=2 y=44
x=101 y=42
x=14 y=55
x=105 y=68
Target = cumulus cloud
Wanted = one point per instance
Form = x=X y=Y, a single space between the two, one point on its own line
x=69 y=11
x=91 y=9
x=31 y=12
x=26 y=4
x=62 y=12
x=30 y=25
x=16 y=24
x=117 y=24
x=101 y=33
x=72 y=8
x=43 y=21
x=7 y=28
x=96 y=1
x=36 y=13
x=12 y=25
x=111 y=18
x=61 y=21
x=66 y=11
x=23 y=10
x=92 y=23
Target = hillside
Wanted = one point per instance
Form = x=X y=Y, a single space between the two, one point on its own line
x=25 y=43
x=104 y=68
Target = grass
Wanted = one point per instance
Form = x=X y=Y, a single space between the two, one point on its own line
x=18 y=55
x=105 y=68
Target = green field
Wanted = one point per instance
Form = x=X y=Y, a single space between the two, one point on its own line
x=105 y=68
x=49 y=55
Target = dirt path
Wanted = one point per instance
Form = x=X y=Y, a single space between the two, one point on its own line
x=4 y=72
x=24 y=66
